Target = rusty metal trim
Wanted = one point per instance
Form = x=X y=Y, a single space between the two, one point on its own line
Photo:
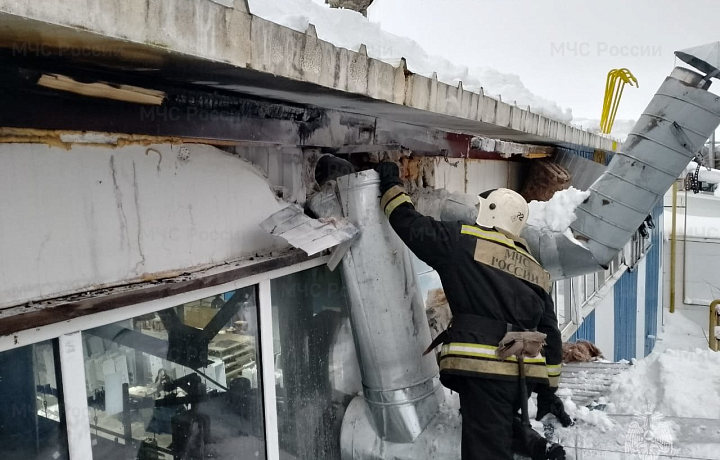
x=24 y=317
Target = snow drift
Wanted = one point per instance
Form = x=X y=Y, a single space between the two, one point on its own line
x=679 y=379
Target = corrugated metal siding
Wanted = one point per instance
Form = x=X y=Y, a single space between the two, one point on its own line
x=583 y=168
x=602 y=157
x=589 y=381
x=652 y=280
x=586 y=331
x=626 y=316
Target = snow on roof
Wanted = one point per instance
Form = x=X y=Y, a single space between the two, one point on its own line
x=349 y=29
x=620 y=130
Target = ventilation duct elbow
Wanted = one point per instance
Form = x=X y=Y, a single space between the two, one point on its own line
x=677 y=122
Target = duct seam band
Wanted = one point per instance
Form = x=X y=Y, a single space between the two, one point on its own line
x=402 y=395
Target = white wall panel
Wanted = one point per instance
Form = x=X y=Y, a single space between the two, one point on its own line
x=92 y=216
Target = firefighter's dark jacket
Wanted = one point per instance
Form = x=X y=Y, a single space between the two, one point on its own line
x=490 y=281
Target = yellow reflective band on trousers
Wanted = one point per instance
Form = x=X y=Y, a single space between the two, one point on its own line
x=486 y=367
x=554 y=370
x=481 y=359
x=483 y=351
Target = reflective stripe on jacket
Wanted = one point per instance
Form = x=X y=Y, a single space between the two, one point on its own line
x=487 y=274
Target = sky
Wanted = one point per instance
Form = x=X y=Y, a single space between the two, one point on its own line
x=561 y=49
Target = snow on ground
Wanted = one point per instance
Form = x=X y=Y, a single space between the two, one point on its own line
x=681 y=378
x=558 y=213
x=349 y=29
x=675 y=392
x=620 y=129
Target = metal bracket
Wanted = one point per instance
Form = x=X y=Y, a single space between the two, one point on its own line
x=680 y=135
x=339 y=252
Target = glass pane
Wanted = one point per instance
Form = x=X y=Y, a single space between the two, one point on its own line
x=180 y=383
x=590 y=284
x=32 y=421
x=318 y=373
x=560 y=301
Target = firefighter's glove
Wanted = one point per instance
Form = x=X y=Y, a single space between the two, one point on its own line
x=550 y=403
x=555 y=452
x=521 y=344
x=389 y=175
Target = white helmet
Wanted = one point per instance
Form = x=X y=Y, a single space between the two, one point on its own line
x=503 y=209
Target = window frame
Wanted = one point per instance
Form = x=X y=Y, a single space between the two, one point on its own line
x=71 y=351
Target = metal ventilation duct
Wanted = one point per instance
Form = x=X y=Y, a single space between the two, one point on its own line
x=673 y=128
x=400 y=386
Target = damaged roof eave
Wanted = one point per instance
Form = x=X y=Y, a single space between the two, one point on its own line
x=205 y=43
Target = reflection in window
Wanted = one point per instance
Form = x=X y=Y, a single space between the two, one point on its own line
x=560 y=307
x=318 y=374
x=590 y=284
x=182 y=383
x=32 y=420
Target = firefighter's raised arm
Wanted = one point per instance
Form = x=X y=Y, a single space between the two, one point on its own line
x=430 y=240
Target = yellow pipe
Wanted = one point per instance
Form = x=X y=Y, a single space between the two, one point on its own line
x=713 y=324
x=673 y=240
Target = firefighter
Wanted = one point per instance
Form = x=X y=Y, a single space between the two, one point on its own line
x=493 y=286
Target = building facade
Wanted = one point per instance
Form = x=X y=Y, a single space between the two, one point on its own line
x=143 y=311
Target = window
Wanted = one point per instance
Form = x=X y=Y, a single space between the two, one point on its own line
x=601 y=278
x=562 y=302
x=32 y=419
x=590 y=285
x=317 y=373
x=184 y=382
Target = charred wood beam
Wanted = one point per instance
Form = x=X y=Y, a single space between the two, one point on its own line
x=209 y=115
x=204 y=113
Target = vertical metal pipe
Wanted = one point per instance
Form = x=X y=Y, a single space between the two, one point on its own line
x=711 y=153
x=400 y=385
x=685 y=250
x=673 y=241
